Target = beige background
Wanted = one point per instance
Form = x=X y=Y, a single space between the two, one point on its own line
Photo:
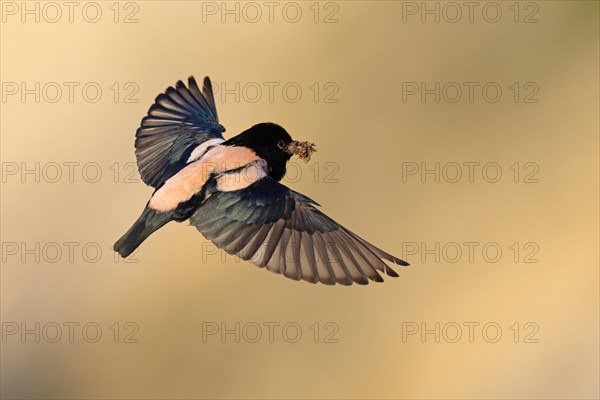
x=171 y=291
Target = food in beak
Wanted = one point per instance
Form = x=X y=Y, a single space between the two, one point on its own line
x=302 y=149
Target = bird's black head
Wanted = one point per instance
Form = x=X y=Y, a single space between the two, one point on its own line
x=270 y=142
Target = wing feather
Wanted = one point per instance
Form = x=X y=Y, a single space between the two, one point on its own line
x=180 y=119
x=274 y=227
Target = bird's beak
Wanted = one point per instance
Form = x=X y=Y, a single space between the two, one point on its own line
x=302 y=149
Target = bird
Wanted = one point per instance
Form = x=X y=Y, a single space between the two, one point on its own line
x=230 y=190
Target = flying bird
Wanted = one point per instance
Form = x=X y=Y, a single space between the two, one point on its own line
x=230 y=191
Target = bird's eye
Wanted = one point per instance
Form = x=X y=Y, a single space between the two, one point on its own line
x=281 y=144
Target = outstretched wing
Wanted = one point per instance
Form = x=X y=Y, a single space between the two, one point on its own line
x=272 y=226
x=180 y=119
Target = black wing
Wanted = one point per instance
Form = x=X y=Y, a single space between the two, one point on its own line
x=179 y=120
x=272 y=226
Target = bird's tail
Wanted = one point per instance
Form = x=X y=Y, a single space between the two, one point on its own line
x=145 y=225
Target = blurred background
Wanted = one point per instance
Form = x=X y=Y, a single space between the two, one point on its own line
x=463 y=138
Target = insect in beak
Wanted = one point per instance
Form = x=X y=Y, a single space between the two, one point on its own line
x=302 y=149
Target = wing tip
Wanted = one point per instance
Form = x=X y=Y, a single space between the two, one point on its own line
x=207 y=84
x=391 y=272
x=400 y=262
x=192 y=84
x=361 y=281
